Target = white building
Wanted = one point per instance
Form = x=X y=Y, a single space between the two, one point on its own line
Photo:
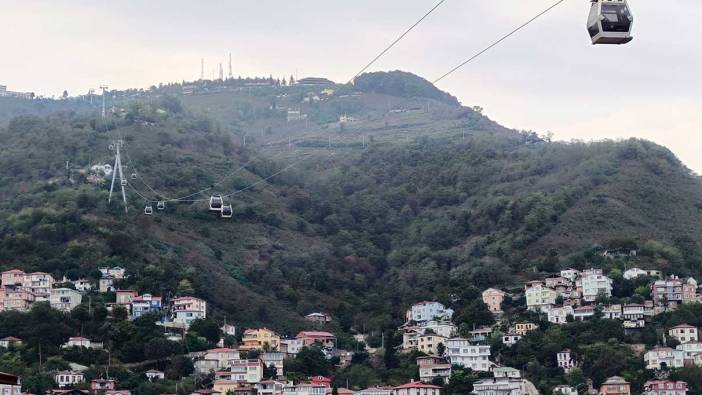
x=39 y=284
x=593 y=284
x=690 y=349
x=665 y=387
x=664 y=357
x=540 y=298
x=506 y=372
x=428 y=311
x=68 y=378
x=504 y=383
x=684 y=333
x=431 y=368
x=65 y=299
x=116 y=272
x=275 y=359
x=634 y=273
x=154 y=374
x=565 y=360
x=291 y=346
x=460 y=352
x=511 y=338
x=570 y=274
x=559 y=315
x=564 y=390
x=583 y=313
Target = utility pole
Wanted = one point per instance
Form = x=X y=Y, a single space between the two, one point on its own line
x=115 y=170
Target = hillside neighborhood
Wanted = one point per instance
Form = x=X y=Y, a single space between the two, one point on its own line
x=255 y=363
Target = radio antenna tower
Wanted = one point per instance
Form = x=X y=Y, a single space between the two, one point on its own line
x=118 y=169
x=221 y=72
x=202 y=68
x=104 y=88
x=231 y=75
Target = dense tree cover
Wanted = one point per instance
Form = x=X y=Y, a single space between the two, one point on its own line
x=360 y=236
x=402 y=84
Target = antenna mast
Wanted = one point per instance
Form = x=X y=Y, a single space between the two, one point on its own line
x=202 y=68
x=104 y=89
x=231 y=75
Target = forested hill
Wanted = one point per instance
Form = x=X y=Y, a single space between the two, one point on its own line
x=407 y=198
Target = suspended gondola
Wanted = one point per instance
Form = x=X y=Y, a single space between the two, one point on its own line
x=216 y=203
x=148 y=210
x=161 y=205
x=227 y=211
x=610 y=22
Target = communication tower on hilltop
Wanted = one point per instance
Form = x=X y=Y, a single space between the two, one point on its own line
x=202 y=68
x=231 y=75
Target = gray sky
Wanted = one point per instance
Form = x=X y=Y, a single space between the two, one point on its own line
x=546 y=78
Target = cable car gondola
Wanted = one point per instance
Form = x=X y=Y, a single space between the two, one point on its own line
x=123 y=183
x=610 y=22
x=161 y=205
x=216 y=203
x=134 y=176
x=227 y=211
x=148 y=210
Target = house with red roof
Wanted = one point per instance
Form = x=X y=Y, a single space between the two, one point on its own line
x=417 y=388
x=326 y=339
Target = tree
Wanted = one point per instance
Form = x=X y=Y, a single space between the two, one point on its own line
x=440 y=349
x=64 y=95
x=207 y=328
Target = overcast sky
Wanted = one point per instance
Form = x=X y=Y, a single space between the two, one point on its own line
x=546 y=78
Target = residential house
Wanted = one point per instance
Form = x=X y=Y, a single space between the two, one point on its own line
x=506 y=372
x=612 y=312
x=101 y=384
x=615 y=386
x=225 y=386
x=321 y=318
x=583 y=312
x=379 y=390
x=40 y=284
x=228 y=329
x=309 y=388
x=540 y=298
x=564 y=390
x=269 y=387
x=154 y=375
x=79 y=341
x=690 y=349
x=505 y=381
x=125 y=296
x=118 y=392
x=427 y=311
x=668 y=292
x=10 y=384
x=559 y=315
x=431 y=368
x=14 y=278
x=65 y=299
x=187 y=309
x=511 y=338
x=68 y=378
x=247 y=370
x=460 y=351
x=635 y=272
x=82 y=285
x=325 y=339
x=262 y=339
x=17 y=299
x=429 y=343
x=684 y=333
x=145 y=304
x=570 y=274
x=222 y=355
x=689 y=290
x=619 y=253
x=594 y=284
x=665 y=387
x=417 y=388
x=664 y=357
x=116 y=272
x=275 y=359
x=522 y=328
x=565 y=360
x=493 y=299
x=205 y=392
x=106 y=284
x=10 y=341
x=290 y=346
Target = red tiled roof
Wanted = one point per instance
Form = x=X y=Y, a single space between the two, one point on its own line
x=314 y=334
x=417 y=384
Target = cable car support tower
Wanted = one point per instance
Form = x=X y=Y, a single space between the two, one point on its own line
x=118 y=169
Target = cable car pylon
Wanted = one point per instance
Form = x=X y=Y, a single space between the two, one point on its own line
x=118 y=168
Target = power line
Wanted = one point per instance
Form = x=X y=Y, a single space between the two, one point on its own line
x=397 y=40
x=503 y=38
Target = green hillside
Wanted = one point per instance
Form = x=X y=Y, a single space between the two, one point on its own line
x=411 y=197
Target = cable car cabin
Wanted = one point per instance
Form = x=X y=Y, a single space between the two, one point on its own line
x=610 y=22
x=161 y=205
x=216 y=203
x=124 y=183
x=227 y=211
x=134 y=176
x=148 y=210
